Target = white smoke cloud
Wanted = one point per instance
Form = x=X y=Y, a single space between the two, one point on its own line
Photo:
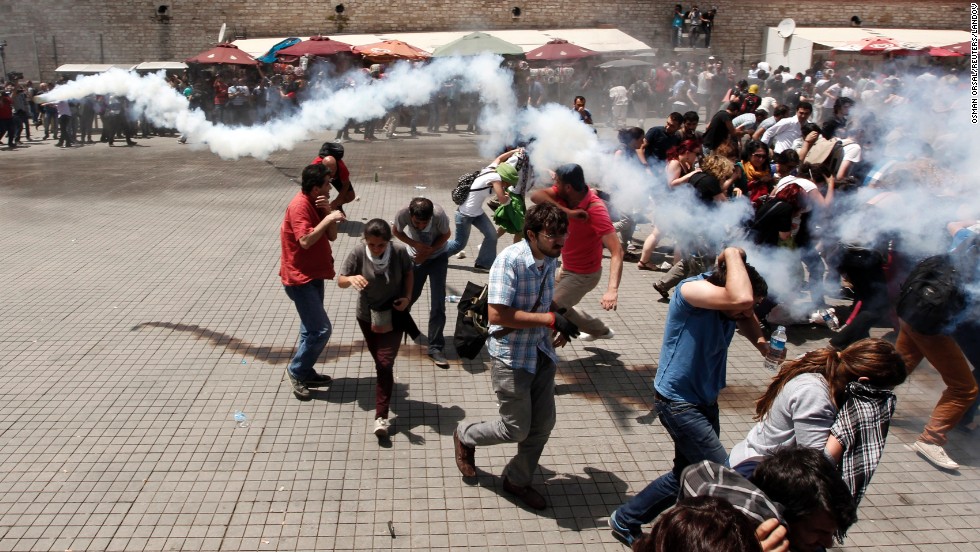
x=404 y=85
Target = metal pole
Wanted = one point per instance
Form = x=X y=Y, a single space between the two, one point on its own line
x=37 y=59
x=3 y=60
x=54 y=46
x=101 y=50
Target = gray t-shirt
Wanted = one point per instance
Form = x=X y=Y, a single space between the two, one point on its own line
x=438 y=226
x=379 y=290
x=802 y=414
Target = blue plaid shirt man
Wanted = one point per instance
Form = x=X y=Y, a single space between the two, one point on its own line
x=516 y=281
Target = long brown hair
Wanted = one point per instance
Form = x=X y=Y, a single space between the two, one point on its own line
x=870 y=358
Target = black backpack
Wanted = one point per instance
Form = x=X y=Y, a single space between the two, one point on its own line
x=932 y=295
x=462 y=189
x=473 y=323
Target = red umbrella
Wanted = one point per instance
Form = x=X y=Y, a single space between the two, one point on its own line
x=223 y=54
x=879 y=45
x=943 y=52
x=558 y=50
x=315 y=46
x=960 y=48
x=390 y=50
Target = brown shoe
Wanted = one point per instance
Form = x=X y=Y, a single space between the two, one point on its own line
x=464 y=457
x=528 y=495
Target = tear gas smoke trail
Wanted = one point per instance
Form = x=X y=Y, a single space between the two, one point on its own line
x=368 y=99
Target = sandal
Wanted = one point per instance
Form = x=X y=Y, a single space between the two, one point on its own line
x=645 y=265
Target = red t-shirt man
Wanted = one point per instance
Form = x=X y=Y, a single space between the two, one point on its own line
x=582 y=253
x=306 y=261
x=300 y=266
x=589 y=230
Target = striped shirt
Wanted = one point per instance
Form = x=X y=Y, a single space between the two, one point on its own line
x=516 y=281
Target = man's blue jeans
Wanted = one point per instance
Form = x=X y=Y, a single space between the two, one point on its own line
x=433 y=270
x=695 y=430
x=488 y=249
x=314 y=328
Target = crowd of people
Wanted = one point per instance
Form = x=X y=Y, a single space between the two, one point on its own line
x=797 y=478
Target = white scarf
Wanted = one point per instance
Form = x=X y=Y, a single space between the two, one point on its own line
x=380 y=264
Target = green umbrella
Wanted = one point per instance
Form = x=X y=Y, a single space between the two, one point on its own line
x=478 y=43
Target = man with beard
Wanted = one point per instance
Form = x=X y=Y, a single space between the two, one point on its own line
x=701 y=322
x=523 y=336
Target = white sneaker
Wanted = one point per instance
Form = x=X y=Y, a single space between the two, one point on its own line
x=461 y=255
x=380 y=427
x=935 y=454
x=589 y=337
x=665 y=266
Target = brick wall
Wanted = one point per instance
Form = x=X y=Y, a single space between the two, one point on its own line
x=43 y=34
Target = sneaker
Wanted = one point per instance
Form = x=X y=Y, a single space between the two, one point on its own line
x=439 y=359
x=665 y=266
x=301 y=391
x=665 y=293
x=380 y=427
x=589 y=337
x=620 y=531
x=461 y=255
x=935 y=454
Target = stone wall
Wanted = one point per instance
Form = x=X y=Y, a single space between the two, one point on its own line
x=43 y=34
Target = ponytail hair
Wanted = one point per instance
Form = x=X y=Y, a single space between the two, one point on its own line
x=875 y=359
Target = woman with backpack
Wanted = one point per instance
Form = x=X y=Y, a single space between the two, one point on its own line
x=381 y=272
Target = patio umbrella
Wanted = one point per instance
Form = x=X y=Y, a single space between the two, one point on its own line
x=943 y=52
x=624 y=63
x=316 y=46
x=960 y=48
x=223 y=53
x=390 y=50
x=559 y=50
x=879 y=45
x=478 y=43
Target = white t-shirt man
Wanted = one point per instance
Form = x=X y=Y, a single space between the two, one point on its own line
x=784 y=132
x=479 y=190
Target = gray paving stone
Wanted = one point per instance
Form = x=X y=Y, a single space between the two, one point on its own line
x=142 y=308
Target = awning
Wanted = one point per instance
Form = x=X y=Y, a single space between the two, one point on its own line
x=93 y=68
x=603 y=41
x=161 y=66
x=838 y=36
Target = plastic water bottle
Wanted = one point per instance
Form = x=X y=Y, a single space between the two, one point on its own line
x=777 y=349
x=452 y=298
x=830 y=319
x=241 y=419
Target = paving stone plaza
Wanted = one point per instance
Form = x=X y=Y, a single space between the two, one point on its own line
x=141 y=308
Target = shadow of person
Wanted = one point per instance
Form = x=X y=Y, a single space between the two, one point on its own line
x=580 y=502
x=575 y=502
x=264 y=353
x=407 y=415
x=605 y=378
